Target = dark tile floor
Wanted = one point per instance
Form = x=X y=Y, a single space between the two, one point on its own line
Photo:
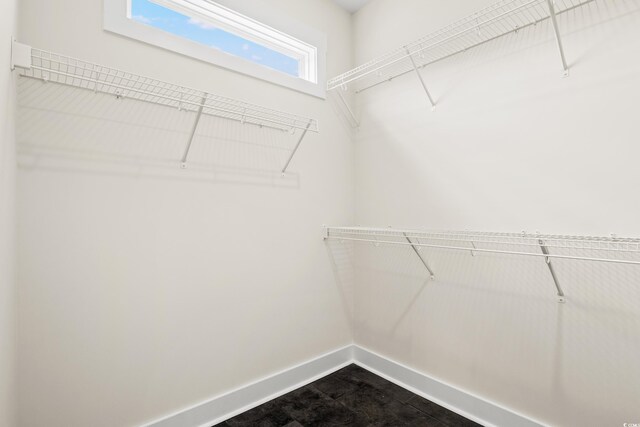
x=351 y=396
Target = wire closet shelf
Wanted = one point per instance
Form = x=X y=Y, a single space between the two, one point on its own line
x=504 y=17
x=549 y=247
x=618 y=250
x=52 y=67
x=55 y=68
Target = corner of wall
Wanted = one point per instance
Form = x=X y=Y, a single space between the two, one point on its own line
x=8 y=19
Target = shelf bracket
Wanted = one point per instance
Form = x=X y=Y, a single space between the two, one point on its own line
x=295 y=149
x=325 y=232
x=20 y=55
x=559 y=290
x=554 y=22
x=193 y=131
x=413 y=246
x=346 y=105
x=424 y=85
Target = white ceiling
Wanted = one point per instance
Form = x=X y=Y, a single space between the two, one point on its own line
x=351 y=5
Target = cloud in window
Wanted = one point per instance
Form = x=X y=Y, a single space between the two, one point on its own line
x=202 y=24
x=245 y=46
x=141 y=18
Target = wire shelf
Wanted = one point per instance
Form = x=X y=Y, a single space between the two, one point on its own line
x=504 y=17
x=585 y=248
x=55 y=68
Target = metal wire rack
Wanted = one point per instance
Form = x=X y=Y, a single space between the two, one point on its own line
x=55 y=68
x=504 y=17
x=612 y=249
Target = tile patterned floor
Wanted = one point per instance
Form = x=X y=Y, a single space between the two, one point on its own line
x=351 y=396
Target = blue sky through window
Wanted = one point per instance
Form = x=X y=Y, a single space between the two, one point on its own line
x=148 y=13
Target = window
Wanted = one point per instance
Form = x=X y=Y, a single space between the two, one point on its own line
x=211 y=32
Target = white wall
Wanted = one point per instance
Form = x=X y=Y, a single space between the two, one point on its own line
x=145 y=289
x=512 y=146
x=8 y=15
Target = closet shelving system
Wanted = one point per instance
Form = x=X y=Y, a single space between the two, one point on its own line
x=548 y=247
x=55 y=68
x=500 y=19
x=493 y=22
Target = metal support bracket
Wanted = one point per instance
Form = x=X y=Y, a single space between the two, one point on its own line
x=293 y=153
x=559 y=290
x=349 y=110
x=193 y=132
x=325 y=232
x=554 y=22
x=420 y=256
x=424 y=85
x=20 y=55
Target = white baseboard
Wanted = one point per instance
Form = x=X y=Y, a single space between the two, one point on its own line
x=230 y=404
x=461 y=402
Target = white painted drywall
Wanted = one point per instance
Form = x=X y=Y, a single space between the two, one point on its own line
x=8 y=18
x=145 y=289
x=511 y=146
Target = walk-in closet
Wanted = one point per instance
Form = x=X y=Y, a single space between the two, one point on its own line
x=316 y=213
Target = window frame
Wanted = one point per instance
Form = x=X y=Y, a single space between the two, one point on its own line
x=117 y=19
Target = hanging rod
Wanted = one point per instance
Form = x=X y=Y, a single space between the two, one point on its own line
x=497 y=20
x=618 y=250
x=55 y=68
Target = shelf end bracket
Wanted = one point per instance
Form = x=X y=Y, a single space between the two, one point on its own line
x=325 y=232
x=20 y=55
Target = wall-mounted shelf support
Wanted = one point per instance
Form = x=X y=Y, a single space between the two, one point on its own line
x=325 y=232
x=20 y=55
x=355 y=120
x=295 y=149
x=424 y=85
x=193 y=131
x=433 y=276
x=559 y=290
x=556 y=30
